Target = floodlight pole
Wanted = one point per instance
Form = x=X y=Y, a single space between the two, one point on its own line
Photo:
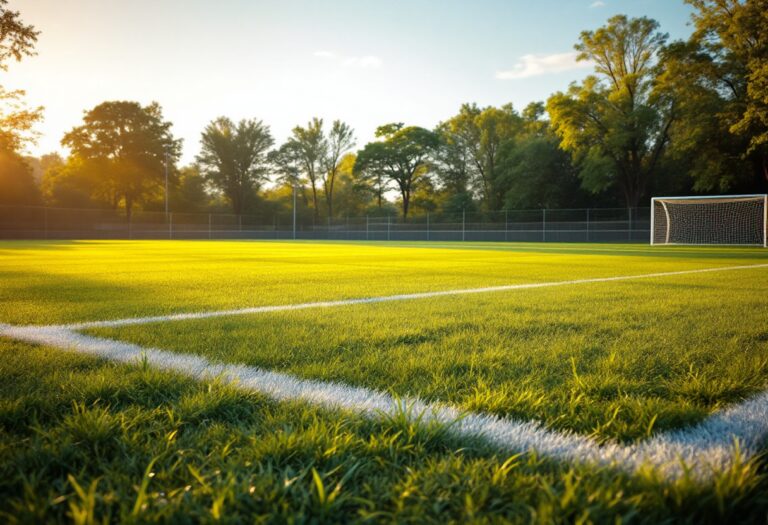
x=166 y=181
x=294 y=212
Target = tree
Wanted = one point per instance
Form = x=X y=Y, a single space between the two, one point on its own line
x=536 y=171
x=352 y=196
x=476 y=137
x=305 y=152
x=341 y=139
x=733 y=34
x=233 y=158
x=453 y=170
x=127 y=143
x=72 y=184
x=615 y=124
x=401 y=155
x=189 y=194
x=17 y=40
x=701 y=148
x=17 y=186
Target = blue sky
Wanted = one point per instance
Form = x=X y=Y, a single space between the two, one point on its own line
x=365 y=62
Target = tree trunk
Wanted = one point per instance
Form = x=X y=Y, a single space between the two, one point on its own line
x=237 y=201
x=128 y=206
x=329 y=197
x=314 y=200
x=406 y=202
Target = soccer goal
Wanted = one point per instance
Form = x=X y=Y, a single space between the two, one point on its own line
x=722 y=219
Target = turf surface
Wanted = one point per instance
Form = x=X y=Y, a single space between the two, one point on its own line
x=80 y=438
x=53 y=282
x=614 y=360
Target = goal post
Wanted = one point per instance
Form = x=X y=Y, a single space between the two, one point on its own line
x=719 y=219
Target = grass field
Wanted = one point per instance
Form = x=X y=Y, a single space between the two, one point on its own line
x=619 y=362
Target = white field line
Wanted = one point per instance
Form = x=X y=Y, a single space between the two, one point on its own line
x=699 y=451
x=383 y=299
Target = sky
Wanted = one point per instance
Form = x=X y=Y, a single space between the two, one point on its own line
x=365 y=62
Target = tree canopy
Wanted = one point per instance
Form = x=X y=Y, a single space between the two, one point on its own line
x=125 y=144
x=679 y=117
x=233 y=157
x=614 y=123
x=402 y=155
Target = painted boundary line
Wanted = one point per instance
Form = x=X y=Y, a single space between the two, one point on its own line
x=700 y=451
x=383 y=299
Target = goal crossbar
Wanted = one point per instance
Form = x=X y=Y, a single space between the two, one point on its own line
x=711 y=219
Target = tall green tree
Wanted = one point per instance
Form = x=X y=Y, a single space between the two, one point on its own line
x=615 y=124
x=734 y=36
x=701 y=147
x=453 y=168
x=402 y=155
x=304 y=154
x=233 y=158
x=190 y=193
x=537 y=172
x=476 y=137
x=353 y=197
x=341 y=139
x=127 y=144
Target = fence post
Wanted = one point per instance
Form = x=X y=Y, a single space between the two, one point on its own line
x=170 y=225
x=428 y=226
x=506 y=224
x=239 y=222
x=130 y=233
x=389 y=227
x=294 y=212
x=587 y=224
x=366 y=228
x=629 y=229
x=544 y=225
x=463 y=224
x=210 y=230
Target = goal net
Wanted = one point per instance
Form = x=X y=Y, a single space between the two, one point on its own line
x=724 y=219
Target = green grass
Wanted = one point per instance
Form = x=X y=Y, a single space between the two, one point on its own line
x=83 y=439
x=613 y=360
x=53 y=282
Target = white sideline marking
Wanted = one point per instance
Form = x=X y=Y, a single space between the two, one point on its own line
x=382 y=299
x=700 y=451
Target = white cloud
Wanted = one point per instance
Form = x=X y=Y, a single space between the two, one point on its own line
x=363 y=62
x=535 y=65
x=597 y=4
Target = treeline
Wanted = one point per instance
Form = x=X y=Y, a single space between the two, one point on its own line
x=655 y=117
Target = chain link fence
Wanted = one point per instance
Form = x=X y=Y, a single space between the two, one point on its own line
x=545 y=225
